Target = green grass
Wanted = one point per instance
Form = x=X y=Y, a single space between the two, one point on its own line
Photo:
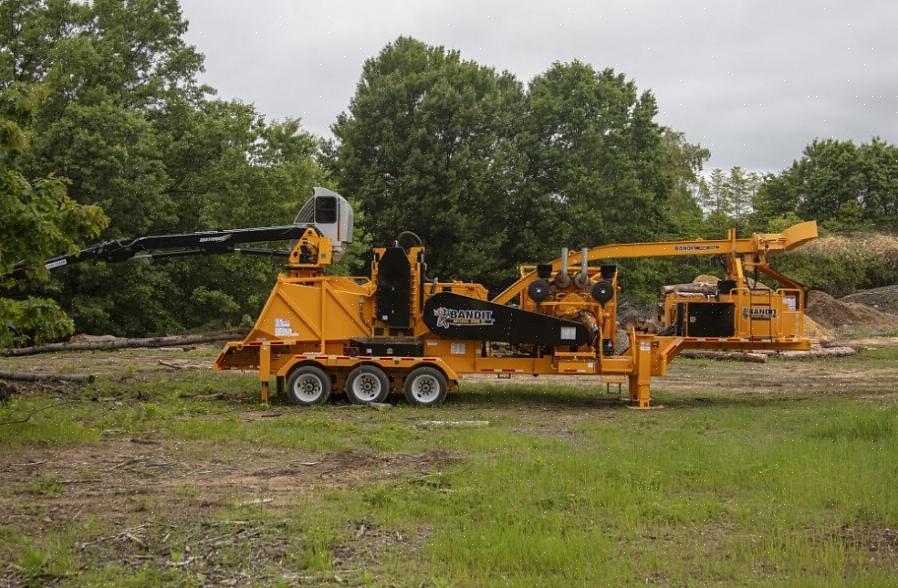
x=562 y=488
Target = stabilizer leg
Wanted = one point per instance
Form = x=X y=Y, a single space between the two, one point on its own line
x=641 y=378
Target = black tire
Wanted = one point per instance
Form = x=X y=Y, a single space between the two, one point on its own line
x=366 y=384
x=308 y=385
x=426 y=386
x=602 y=291
x=538 y=290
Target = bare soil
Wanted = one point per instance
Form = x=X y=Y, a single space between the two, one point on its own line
x=154 y=497
x=127 y=481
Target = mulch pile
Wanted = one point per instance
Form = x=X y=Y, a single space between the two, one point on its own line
x=884 y=299
x=833 y=313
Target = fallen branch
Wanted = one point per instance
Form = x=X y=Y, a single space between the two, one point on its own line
x=256 y=501
x=125 y=343
x=177 y=366
x=725 y=355
x=30 y=463
x=28 y=416
x=23 y=377
x=213 y=395
x=451 y=424
x=821 y=352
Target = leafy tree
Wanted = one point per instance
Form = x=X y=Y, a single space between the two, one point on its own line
x=683 y=210
x=596 y=155
x=840 y=184
x=229 y=167
x=125 y=120
x=743 y=187
x=602 y=170
x=728 y=199
x=429 y=145
x=490 y=176
x=37 y=220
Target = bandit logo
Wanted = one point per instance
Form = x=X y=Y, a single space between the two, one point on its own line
x=696 y=247
x=462 y=317
x=760 y=314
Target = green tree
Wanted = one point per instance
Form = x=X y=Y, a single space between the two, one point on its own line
x=429 y=145
x=37 y=220
x=838 y=183
x=126 y=121
x=601 y=167
x=728 y=198
x=743 y=188
x=684 y=165
x=228 y=167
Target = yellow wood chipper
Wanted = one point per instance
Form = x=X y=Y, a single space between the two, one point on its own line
x=399 y=331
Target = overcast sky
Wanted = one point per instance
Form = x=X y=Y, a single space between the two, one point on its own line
x=752 y=81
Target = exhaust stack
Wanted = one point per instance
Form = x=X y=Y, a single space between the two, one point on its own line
x=581 y=280
x=563 y=279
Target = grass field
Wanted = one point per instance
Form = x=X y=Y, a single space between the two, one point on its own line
x=777 y=474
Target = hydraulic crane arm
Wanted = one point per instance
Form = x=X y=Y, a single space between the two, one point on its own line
x=757 y=247
x=327 y=214
x=178 y=245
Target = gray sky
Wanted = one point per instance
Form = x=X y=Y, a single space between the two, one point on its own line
x=752 y=81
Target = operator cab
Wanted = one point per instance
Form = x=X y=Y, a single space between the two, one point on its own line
x=332 y=216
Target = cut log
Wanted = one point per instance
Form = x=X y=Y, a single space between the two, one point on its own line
x=699 y=288
x=125 y=343
x=725 y=355
x=27 y=377
x=843 y=351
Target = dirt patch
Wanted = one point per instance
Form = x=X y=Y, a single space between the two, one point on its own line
x=123 y=481
x=829 y=376
x=833 y=313
x=883 y=245
x=367 y=542
x=872 y=539
x=123 y=364
x=240 y=552
x=219 y=512
x=871 y=342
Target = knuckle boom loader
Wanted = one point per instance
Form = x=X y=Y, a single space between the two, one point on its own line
x=398 y=331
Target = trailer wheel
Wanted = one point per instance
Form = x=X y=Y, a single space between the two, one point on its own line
x=426 y=386
x=366 y=384
x=308 y=385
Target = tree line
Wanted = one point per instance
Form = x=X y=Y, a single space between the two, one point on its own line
x=107 y=133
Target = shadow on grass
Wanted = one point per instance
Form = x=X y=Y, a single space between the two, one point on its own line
x=546 y=397
x=527 y=397
x=727 y=401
